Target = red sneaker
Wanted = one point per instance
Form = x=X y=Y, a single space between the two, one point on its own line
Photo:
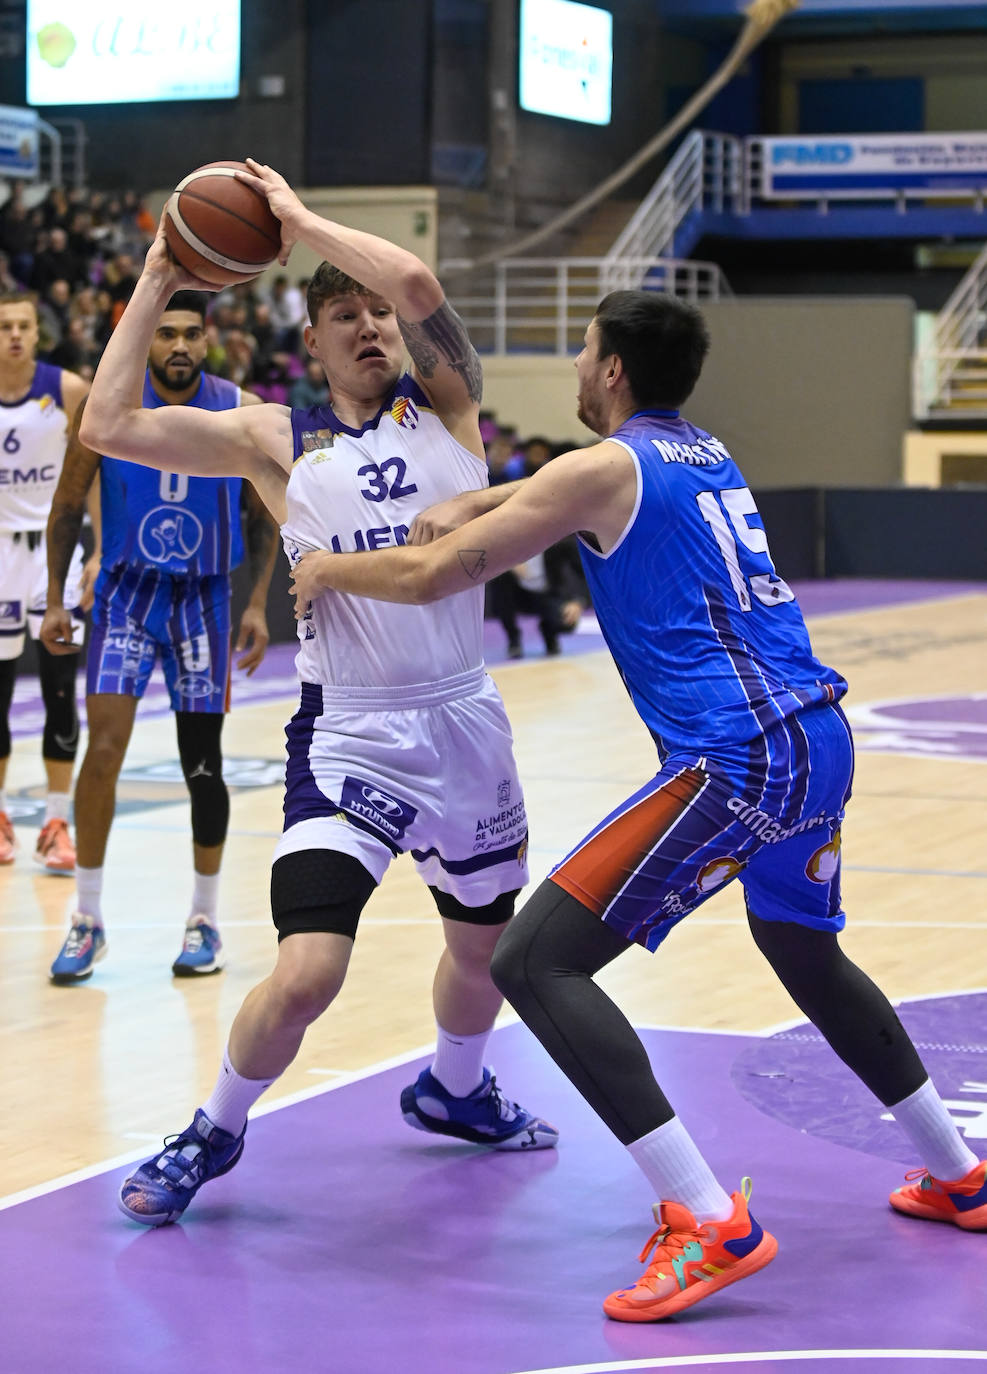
x=690 y=1262
x=8 y=842
x=963 y=1202
x=55 y=851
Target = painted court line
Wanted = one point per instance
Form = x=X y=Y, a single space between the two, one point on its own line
x=762 y=1356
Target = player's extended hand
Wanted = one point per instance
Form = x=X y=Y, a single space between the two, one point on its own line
x=160 y=263
x=280 y=197
x=572 y=613
x=307 y=581
x=56 y=631
x=87 y=584
x=443 y=518
x=254 y=637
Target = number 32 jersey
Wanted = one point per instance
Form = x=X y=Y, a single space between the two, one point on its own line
x=352 y=490
x=709 y=640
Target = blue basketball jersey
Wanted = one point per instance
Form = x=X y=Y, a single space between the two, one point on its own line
x=709 y=640
x=184 y=526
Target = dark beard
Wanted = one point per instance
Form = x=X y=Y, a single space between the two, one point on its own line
x=161 y=376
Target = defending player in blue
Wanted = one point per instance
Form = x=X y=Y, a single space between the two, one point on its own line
x=756 y=764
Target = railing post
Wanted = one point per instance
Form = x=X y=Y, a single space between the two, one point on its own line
x=562 y=307
x=500 y=308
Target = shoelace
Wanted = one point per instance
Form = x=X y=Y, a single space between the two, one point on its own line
x=193 y=940
x=75 y=940
x=921 y=1173
x=665 y=1242
x=504 y=1110
x=174 y=1164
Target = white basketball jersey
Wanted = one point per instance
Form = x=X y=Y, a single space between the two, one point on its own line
x=33 y=434
x=352 y=490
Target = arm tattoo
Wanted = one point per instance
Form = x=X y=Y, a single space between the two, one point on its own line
x=64 y=525
x=473 y=562
x=443 y=338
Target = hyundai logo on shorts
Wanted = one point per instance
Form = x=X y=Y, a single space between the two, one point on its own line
x=385 y=813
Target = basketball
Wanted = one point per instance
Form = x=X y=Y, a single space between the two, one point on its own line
x=218 y=228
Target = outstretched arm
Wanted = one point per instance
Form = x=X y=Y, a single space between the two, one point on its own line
x=590 y=489
x=445 y=361
x=246 y=441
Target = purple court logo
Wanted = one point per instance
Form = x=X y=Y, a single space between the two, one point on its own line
x=945 y=727
x=385 y=813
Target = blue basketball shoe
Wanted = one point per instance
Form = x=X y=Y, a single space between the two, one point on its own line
x=484 y=1118
x=201 y=950
x=84 y=946
x=161 y=1189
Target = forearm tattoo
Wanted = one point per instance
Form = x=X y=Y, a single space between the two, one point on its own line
x=443 y=338
x=260 y=536
x=64 y=526
x=473 y=562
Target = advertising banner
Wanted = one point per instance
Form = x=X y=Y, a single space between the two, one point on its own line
x=18 y=142
x=845 y=166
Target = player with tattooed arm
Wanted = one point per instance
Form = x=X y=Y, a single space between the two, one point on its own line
x=400 y=741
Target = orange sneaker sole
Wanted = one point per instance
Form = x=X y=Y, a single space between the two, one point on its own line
x=695 y=1292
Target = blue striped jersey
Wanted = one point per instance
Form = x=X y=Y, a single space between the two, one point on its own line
x=709 y=640
x=185 y=526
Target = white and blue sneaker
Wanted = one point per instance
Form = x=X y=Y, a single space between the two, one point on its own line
x=161 y=1189
x=201 y=949
x=84 y=946
x=485 y=1117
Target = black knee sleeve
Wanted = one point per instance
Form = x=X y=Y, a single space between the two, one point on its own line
x=495 y=913
x=8 y=673
x=201 y=754
x=846 y=1007
x=57 y=674
x=319 y=890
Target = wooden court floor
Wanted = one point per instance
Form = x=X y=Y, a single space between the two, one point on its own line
x=101 y=1070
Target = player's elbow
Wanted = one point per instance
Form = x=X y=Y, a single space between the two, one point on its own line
x=96 y=430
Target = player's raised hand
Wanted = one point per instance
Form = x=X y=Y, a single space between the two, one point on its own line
x=253 y=637
x=161 y=264
x=280 y=197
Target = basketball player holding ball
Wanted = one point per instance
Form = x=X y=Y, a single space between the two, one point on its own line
x=400 y=741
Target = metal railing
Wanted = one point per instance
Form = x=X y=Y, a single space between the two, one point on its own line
x=544 y=304
x=707 y=172
x=954 y=368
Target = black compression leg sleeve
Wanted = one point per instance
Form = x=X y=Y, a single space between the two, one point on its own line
x=57 y=676
x=201 y=753
x=850 y=1011
x=544 y=965
x=8 y=672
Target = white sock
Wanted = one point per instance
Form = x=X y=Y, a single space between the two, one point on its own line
x=672 y=1164
x=88 y=891
x=205 y=897
x=933 y=1132
x=458 y=1062
x=233 y=1096
x=57 y=806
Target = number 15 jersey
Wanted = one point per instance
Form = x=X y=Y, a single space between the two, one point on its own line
x=352 y=490
x=709 y=640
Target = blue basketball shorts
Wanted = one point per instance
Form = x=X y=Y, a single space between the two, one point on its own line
x=142 y=615
x=767 y=812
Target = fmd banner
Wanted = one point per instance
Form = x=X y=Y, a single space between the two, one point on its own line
x=866 y=165
x=18 y=142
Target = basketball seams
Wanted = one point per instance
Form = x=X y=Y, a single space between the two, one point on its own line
x=192 y=241
x=230 y=214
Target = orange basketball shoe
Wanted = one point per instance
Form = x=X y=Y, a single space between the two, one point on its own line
x=964 y=1202
x=55 y=851
x=690 y=1262
x=8 y=843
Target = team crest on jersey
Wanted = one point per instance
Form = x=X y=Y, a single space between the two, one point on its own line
x=166 y=533
x=46 y=402
x=404 y=413
x=314 y=440
x=10 y=610
x=717 y=872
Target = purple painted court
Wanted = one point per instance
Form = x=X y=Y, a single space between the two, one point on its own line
x=343 y=1241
